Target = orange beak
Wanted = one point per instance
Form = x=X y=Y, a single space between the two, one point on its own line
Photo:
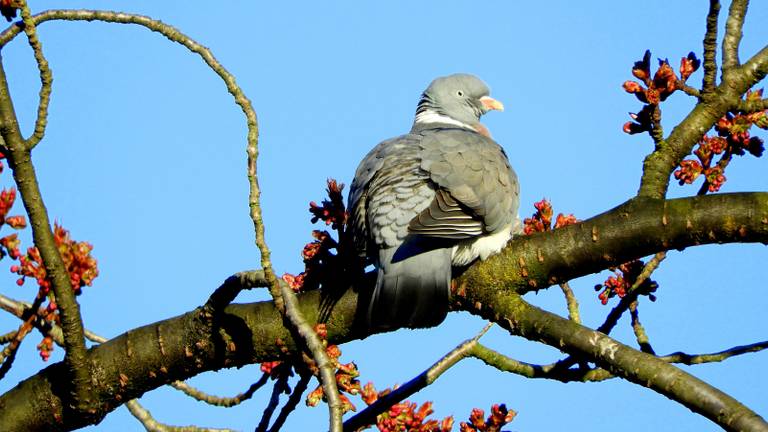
x=491 y=104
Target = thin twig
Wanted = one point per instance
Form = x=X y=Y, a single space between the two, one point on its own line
x=369 y=414
x=613 y=317
x=292 y=402
x=217 y=400
x=4 y=339
x=639 y=330
x=315 y=346
x=551 y=371
x=281 y=385
x=690 y=91
x=46 y=76
x=572 y=302
x=152 y=425
x=710 y=48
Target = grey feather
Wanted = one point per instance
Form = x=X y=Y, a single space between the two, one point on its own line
x=420 y=202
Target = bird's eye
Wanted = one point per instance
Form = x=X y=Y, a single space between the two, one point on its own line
x=460 y=93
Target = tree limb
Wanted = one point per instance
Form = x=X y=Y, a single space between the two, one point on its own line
x=520 y=318
x=181 y=347
x=20 y=162
x=732 y=38
x=710 y=48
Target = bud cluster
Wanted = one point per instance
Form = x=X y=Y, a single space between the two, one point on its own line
x=541 y=220
x=653 y=91
x=406 y=415
x=319 y=259
x=733 y=138
x=623 y=279
x=499 y=417
x=346 y=375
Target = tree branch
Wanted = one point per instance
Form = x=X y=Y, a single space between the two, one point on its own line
x=20 y=162
x=710 y=48
x=307 y=333
x=184 y=346
x=368 y=415
x=520 y=318
x=152 y=425
x=46 y=76
x=554 y=372
x=732 y=38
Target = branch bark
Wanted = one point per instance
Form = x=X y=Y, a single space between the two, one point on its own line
x=181 y=347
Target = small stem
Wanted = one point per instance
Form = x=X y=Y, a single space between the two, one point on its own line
x=637 y=327
x=572 y=302
x=46 y=76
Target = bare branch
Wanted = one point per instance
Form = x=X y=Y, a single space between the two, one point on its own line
x=710 y=48
x=692 y=359
x=756 y=68
x=324 y=363
x=732 y=37
x=292 y=403
x=152 y=425
x=217 y=400
x=554 y=372
x=4 y=339
x=572 y=302
x=637 y=327
x=184 y=346
x=369 y=414
x=281 y=386
x=690 y=91
x=46 y=76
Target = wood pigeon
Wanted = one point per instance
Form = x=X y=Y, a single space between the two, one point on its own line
x=438 y=197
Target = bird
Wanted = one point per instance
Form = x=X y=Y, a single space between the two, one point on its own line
x=431 y=201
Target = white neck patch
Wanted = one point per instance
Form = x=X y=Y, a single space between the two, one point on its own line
x=430 y=116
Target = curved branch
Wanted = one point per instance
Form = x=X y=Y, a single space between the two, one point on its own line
x=152 y=425
x=554 y=372
x=305 y=332
x=46 y=76
x=184 y=346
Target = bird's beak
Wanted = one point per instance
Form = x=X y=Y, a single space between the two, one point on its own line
x=490 y=103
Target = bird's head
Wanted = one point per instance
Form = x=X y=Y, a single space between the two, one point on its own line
x=458 y=99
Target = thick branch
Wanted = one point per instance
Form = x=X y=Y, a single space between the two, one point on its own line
x=635 y=229
x=184 y=346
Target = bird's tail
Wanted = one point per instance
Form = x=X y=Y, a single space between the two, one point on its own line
x=411 y=291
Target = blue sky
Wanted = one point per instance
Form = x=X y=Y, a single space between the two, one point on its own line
x=145 y=158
